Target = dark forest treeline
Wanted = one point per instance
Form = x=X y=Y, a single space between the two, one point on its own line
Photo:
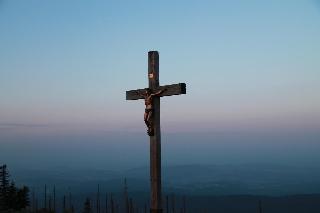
x=14 y=199
x=11 y=197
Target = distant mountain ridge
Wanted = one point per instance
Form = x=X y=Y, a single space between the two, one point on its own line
x=189 y=179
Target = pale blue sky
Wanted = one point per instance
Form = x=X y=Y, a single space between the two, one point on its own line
x=248 y=65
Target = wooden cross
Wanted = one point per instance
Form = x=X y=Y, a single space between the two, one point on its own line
x=155 y=139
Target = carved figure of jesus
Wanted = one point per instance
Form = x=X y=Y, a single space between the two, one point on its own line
x=148 y=101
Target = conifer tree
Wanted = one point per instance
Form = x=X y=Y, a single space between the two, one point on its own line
x=64 y=203
x=112 y=203
x=33 y=200
x=260 y=207
x=126 y=198
x=4 y=186
x=167 y=203
x=106 y=202
x=98 y=199
x=173 y=203
x=184 y=204
x=45 y=196
x=23 y=197
x=12 y=197
x=54 y=198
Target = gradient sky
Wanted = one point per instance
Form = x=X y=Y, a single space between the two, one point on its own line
x=248 y=65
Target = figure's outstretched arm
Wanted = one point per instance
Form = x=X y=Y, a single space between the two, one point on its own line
x=159 y=92
x=141 y=94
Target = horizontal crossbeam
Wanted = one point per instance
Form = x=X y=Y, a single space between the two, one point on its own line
x=173 y=89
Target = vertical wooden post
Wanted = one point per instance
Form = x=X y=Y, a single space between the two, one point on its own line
x=155 y=140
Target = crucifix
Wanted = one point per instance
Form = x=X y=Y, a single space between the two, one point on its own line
x=152 y=95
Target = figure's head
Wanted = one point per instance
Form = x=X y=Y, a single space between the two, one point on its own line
x=148 y=91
